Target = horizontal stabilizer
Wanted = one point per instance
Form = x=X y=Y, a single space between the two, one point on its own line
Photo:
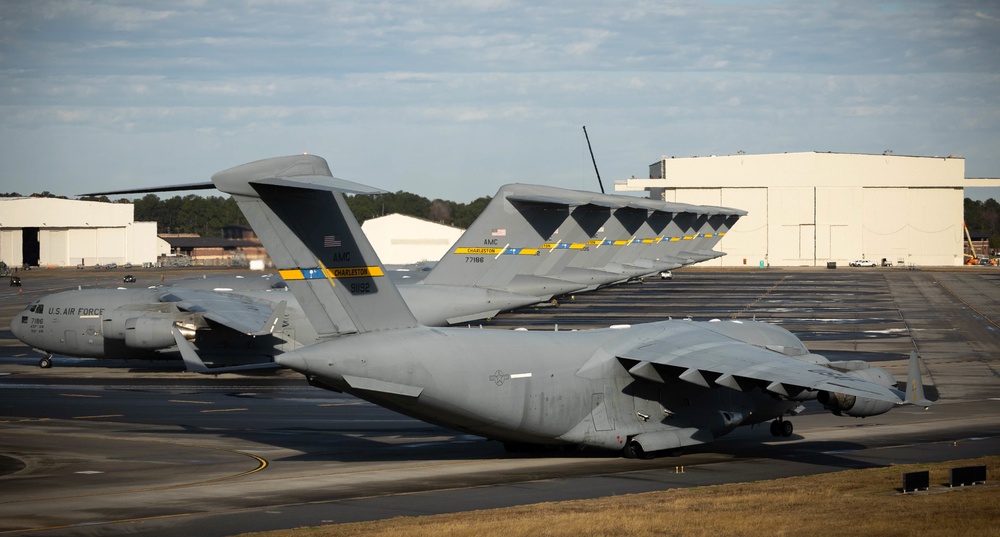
x=305 y=181
x=151 y=190
x=296 y=171
x=540 y=199
x=702 y=255
x=544 y=195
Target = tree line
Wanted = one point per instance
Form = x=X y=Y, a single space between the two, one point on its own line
x=983 y=218
x=207 y=215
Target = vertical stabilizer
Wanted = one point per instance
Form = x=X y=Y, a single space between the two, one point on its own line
x=915 y=383
x=297 y=209
x=502 y=243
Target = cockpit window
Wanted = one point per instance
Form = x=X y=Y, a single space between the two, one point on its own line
x=37 y=308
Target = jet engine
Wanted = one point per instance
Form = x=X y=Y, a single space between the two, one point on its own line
x=864 y=371
x=858 y=407
x=152 y=333
x=875 y=375
x=850 y=405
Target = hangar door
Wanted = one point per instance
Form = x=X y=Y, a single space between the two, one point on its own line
x=30 y=249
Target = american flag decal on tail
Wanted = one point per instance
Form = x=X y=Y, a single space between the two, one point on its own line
x=331 y=241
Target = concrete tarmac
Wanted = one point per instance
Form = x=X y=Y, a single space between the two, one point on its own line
x=88 y=448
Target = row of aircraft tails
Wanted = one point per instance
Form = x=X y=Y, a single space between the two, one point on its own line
x=338 y=317
x=531 y=244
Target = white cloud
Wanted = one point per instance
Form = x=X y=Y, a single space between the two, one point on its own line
x=448 y=83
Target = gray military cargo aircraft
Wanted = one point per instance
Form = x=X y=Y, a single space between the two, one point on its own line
x=638 y=389
x=564 y=241
x=235 y=326
x=230 y=322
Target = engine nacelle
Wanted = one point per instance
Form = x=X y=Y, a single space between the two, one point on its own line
x=850 y=405
x=150 y=333
x=875 y=375
x=864 y=371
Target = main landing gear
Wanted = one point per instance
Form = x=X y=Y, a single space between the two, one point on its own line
x=45 y=362
x=633 y=450
x=780 y=427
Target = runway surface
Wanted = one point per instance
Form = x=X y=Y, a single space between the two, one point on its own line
x=147 y=449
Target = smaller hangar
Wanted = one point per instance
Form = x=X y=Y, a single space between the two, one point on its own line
x=812 y=208
x=401 y=240
x=58 y=232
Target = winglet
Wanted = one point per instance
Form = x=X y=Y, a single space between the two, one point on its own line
x=192 y=362
x=915 y=384
x=272 y=323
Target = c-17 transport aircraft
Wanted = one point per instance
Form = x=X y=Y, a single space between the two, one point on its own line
x=531 y=243
x=639 y=389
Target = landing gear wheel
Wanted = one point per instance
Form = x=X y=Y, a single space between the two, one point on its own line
x=786 y=428
x=45 y=362
x=633 y=450
x=781 y=428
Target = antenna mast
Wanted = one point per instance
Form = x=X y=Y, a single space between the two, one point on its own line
x=599 y=183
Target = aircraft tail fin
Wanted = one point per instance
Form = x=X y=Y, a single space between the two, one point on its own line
x=298 y=211
x=915 y=384
x=500 y=244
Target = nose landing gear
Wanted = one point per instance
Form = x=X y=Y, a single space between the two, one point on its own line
x=45 y=362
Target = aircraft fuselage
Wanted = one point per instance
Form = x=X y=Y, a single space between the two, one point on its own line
x=530 y=387
x=84 y=323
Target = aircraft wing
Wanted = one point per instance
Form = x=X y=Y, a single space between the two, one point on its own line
x=247 y=315
x=706 y=358
x=194 y=363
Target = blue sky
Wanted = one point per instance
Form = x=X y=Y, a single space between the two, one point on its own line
x=452 y=99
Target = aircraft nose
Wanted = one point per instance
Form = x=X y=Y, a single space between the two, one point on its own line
x=15 y=327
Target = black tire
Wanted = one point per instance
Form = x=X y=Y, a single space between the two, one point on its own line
x=45 y=362
x=775 y=428
x=786 y=428
x=633 y=450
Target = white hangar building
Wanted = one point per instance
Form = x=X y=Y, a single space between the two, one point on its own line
x=401 y=240
x=59 y=233
x=809 y=209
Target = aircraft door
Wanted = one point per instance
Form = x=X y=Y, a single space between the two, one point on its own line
x=69 y=336
x=602 y=416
